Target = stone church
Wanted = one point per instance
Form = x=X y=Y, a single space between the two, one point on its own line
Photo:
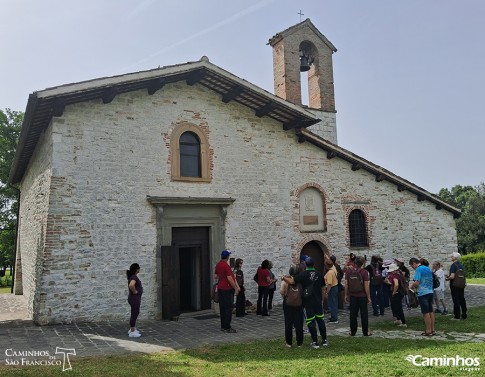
x=168 y=167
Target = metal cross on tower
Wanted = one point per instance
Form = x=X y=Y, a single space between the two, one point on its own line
x=301 y=14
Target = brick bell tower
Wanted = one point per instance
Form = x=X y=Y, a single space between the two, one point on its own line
x=302 y=48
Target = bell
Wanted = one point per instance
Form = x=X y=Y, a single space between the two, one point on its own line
x=304 y=63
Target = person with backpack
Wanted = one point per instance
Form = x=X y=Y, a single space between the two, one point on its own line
x=457 y=287
x=423 y=282
x=407 y=275
x=386 y=286
x=313 y=283
x=397 y=293
x=292 y=309
x=357 y=292
x=439 y=292
x=376 y=285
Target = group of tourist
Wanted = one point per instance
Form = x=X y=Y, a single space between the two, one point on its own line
x=305 y=289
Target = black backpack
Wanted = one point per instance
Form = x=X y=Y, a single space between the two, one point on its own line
x=436 y=281
x=459 y=281
x=376 y=278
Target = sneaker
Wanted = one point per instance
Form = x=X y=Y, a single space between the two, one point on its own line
x=455 y=319
x=299 y=345
x=306 y=331
x=314 y=345
x=402 y=325
x=324 y=343
x=129 y=331
x=134 y=334
x=444 y=312
x=332 y=321
x=230 y=330
x=288 y=345
x=437 y=311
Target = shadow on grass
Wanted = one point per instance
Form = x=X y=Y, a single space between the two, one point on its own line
x=473 y=324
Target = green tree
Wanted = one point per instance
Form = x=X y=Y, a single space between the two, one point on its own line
x=470 y=227
x=10 y=125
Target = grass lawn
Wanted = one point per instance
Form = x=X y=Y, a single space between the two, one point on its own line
x=475 y=280
x=344 y=357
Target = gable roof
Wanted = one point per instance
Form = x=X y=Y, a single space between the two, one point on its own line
x=304 y=24
x=51 y=102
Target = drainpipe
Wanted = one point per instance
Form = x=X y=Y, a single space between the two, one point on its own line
x=16 y=236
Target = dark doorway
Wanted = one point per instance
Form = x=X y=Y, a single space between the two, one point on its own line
x=186 y=281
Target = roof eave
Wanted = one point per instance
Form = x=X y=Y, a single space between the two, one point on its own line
x=379 y=172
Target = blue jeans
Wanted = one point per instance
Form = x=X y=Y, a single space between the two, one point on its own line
x=333 y=303
x=377 y=297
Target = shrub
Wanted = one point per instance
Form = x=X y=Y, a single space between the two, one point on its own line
x=474 y=265
x=6 y=281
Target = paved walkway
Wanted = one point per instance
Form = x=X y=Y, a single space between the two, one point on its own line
x=110 y=338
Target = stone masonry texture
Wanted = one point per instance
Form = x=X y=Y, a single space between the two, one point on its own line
x=85 y=216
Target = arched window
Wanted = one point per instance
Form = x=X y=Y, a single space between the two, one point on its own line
x=358 y=229
x=189 y=155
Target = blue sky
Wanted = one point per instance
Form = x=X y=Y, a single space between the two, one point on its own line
x=409 y=76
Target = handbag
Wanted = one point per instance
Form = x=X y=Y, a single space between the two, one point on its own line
x=413 y=299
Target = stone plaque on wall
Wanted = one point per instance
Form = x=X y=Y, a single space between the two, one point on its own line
x=311 y=210
x=310 y=220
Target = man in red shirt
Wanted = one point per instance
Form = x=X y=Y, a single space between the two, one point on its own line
x=358 y=293
x=226 y=287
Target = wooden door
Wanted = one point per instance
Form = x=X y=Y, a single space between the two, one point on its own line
x=170 y=282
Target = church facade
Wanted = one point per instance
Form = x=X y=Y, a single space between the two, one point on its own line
x=170 y=166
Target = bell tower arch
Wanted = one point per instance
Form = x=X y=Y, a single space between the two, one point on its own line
x=302 y=48
x=298 y=49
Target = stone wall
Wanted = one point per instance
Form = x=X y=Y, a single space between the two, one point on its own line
x=33 y=223
x=108 y=158
x=327 y=128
